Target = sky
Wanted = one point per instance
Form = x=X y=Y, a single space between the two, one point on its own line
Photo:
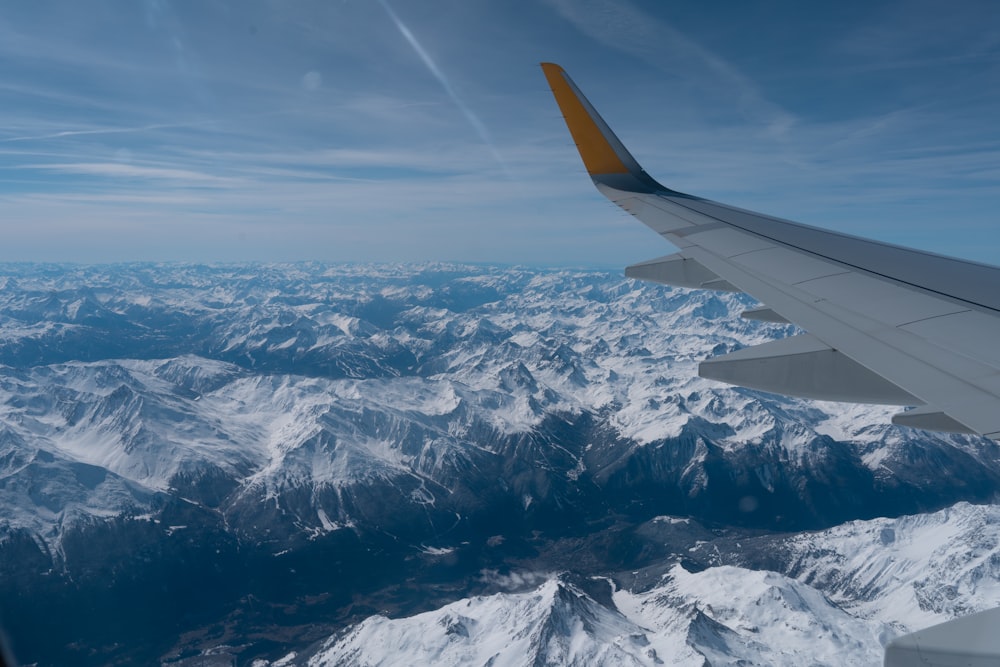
x=423 y=130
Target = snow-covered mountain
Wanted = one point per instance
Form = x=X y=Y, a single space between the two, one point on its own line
x=555 y=624
x=724 y=616
x=297 y=447
x=845 y=592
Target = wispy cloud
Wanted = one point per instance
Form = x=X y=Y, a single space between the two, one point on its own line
x=319 y=129
x=105 y=130
x=119 y=170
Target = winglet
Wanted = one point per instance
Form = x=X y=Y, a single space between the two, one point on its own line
x=605 y=157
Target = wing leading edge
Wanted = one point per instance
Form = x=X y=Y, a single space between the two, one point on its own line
x=886 y=324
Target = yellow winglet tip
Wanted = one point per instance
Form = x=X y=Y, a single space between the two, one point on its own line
x=599 y=157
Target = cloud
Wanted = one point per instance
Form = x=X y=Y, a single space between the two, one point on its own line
x=118 y=170
x=320 y=130
x=312 y=80
x=105 y=130
x=514 y=581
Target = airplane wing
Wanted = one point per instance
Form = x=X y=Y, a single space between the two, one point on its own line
x=885 y=324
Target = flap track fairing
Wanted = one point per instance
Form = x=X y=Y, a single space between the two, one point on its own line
x=679 y=271
x=763 y=314
x=806 y=367
x=930 y=418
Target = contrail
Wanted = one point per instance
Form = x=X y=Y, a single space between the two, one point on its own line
x=436 y=72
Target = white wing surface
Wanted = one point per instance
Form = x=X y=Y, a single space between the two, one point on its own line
x=885 y=324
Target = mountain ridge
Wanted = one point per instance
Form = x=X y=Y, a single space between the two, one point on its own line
x=233 y=428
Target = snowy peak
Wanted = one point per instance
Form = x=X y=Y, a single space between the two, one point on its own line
x=729 y=614
x=722 y=616
x=916 y=570
x=555 y=624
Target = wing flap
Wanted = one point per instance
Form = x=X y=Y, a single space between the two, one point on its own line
x=806 y=367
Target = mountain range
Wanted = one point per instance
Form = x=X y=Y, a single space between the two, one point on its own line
x=389 y=464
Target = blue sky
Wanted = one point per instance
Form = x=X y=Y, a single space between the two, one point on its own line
x=363 y=130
